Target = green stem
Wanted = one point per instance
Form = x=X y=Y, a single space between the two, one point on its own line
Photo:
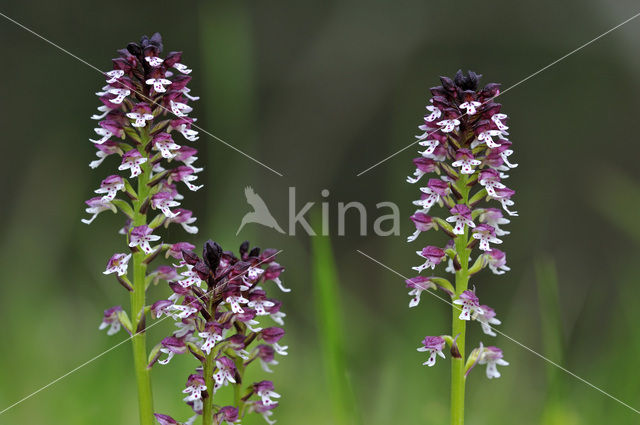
x=139 y=340
x=459 y=326
x=207 y=409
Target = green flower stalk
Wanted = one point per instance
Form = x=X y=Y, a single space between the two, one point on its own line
x=467 y=149
x=144 y=106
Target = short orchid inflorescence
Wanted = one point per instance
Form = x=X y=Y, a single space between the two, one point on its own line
x=461 y=170
x=217 y=303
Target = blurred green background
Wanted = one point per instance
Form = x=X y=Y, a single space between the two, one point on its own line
x=320 y=90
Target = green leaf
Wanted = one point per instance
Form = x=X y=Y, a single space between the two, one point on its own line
x=124 y=207
x=330 y=325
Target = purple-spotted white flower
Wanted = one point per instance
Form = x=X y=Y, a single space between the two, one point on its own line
x=111 y=320
x=492 y=357
x=142 y=236
x=485 y=234
x=469 y=302
x=97 y=205
x=434 y=346
x=417 y=285
x=433 y=256
x=118 y=263
x=461 y=216
x=487 y=317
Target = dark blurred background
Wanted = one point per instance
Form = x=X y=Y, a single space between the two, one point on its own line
x=320 y=91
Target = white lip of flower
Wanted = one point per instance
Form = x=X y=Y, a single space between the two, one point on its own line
x=431 y=361
x=278 y=282
x=186 y=225
x=496 y=223
x=448 y=125
x=234 y=301
x=431 y=146
x=487 y=137
x=250 y=325
x=497 y=119
x=186 y=91
x=133 y=164
x=154 y=60
x=180 y=109
x=278 y=317
x=266 y=396
x=470 y=107
x=188 y=179
x=427 y=264
x=223 y=376
x=165 y=206
x=467 y=309
x=265 y=365
x=183 y=329
x=102 y=108
x=434 y=115
x=143 y=242
x=260 y=306
x=194 y=391
x=460 y=221
x=281 y=349
x=210 y=341
x=266 y=415
x=506 y=202
x=492 y=370
x=498 y=270
x=111 y=191
x=165 y=147
x=467 y=165
x=114 y=75
x=170 y=355
x=183 y=311
x=253 y=273
x=486 y=238
x=427 y=203
x=140 y=119
x=189 y=134
x=114 y=327
x=120 y=95
x=106 y=135
x=119 y=266
x=192 y=278
x=491 y=185
x=158 y=84
x=182 y=68
x=504 y=155
x=485 y=322
x=97 y=209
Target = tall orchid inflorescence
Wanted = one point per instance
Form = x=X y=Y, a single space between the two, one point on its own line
x=216 y=305
x=144 y=106
x=466 y=146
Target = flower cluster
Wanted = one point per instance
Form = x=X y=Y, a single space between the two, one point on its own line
x=144 y=107
x=217 y=302
x=462 y=169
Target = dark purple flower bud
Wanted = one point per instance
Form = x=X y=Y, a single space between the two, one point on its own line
x=211 y=254
x=165 y=419
x=228 y=414
x=272 y=335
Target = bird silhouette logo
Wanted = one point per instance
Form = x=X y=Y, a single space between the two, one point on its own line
x=260 y=213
